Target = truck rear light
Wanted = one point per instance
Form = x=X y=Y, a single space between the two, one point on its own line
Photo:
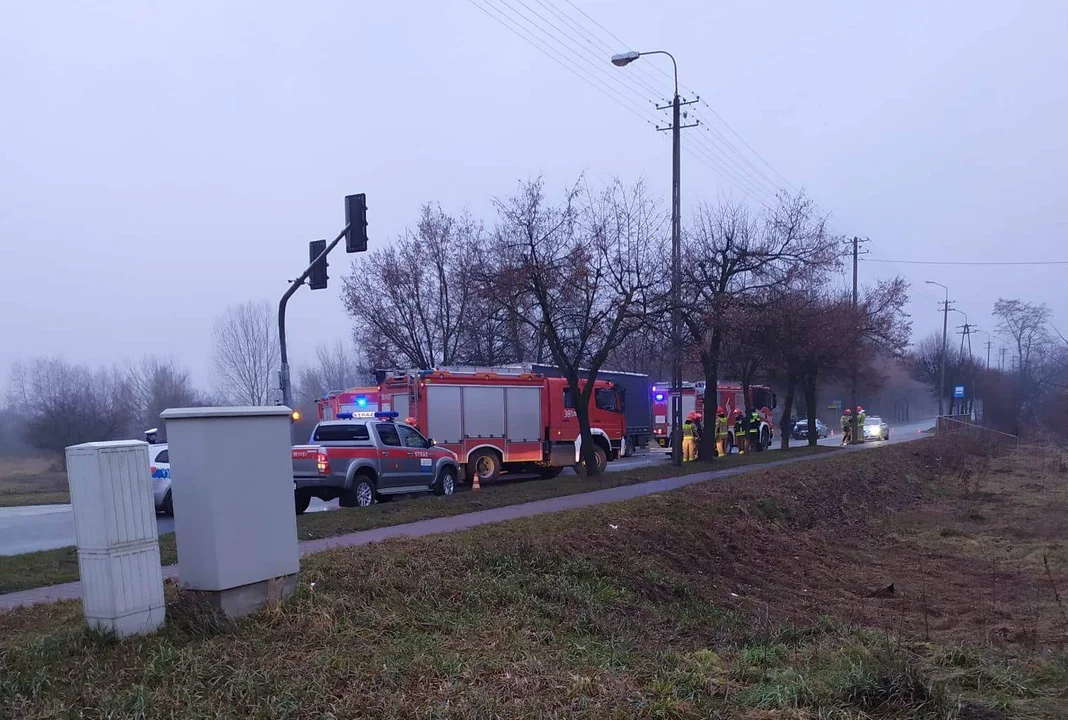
x=323 y=463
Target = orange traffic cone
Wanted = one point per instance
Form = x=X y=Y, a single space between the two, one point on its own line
x=475 y=486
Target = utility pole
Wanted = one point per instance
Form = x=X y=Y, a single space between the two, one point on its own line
x=855 y=427
x=989 y=344
x=1001 y=361
x=968 y=402
x=676 y=127
x=942 y=361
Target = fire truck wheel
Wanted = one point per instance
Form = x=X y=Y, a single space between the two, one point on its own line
x=549 y=472
x=602 y=460
x=446 y=484
x=303 y=500
x=486 y=464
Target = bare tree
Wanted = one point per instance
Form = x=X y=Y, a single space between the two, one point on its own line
x=1026 y=325
x=588 y=269
x=336 y=367
x=61 y=404
x=411 y=302
x=245 y=353
x=729 y=253
x=156 y=384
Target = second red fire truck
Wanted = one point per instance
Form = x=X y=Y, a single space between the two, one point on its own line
x=498 y=419
x=729 y=397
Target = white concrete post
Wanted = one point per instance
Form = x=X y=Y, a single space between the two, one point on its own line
x=234 y=514
x=115 y=526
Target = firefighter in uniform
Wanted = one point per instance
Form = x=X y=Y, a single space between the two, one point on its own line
x=721 y=432
x=754 y=430
x=698 y=434
x=689 y=451
x=847 y=426
x=740 y=427
x=861 y=417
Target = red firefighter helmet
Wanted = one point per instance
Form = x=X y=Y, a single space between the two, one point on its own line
x=698 y=416
x=848 y=411
x=720 y=410
x=860 y=409
x=410 y=421
x=691 y=417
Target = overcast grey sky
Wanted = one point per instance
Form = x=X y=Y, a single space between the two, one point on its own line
x=161 y=160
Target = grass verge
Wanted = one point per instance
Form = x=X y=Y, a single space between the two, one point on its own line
x=51 y=567
x=708 y=601
x=31 y=481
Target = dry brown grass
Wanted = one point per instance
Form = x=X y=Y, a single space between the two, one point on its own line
x=762 y=599
x=31 y=481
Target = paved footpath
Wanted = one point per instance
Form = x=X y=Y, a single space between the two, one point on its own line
x=73 y=590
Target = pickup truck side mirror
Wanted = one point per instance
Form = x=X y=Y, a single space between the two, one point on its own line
x=431 y=441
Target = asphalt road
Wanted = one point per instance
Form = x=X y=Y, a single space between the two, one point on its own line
x=44 y=527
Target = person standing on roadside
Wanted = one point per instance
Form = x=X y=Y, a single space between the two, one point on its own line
x=741 y=431
x=847 y=426
x=698 y=432
x=689 y=450
x=754 y=430
x=721 y=432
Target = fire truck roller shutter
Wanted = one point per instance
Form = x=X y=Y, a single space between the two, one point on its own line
x=400 y=404
x=524 y=414
x=483 y=412
x=443 y=410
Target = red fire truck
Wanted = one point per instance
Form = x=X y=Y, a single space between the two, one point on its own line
x=498 y=419
x=730 y=397
x=362 y=402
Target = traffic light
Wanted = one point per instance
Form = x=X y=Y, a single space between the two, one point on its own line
x=356 y=220
x=318 y=277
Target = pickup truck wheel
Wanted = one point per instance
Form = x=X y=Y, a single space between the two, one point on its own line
x=303 y=500
x=167 y=508
x=446 y=483
x=486 y=464
x=365 y=492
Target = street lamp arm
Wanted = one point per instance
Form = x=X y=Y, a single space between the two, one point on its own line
x=674 y=65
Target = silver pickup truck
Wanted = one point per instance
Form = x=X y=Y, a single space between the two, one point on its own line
x=362 y=460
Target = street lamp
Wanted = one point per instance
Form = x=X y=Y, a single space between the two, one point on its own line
x=945 y=327
x=622 y=60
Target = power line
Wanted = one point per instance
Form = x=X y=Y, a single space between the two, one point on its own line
x=713 y=151
x=746 y=177
x=966 y=262
x=569 y=66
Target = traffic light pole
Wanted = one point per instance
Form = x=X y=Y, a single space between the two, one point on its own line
x=283 y=374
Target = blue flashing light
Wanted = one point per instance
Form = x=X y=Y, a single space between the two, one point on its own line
x=659 y=397
x=343 y=416
x=361 y=401
x=384 y=415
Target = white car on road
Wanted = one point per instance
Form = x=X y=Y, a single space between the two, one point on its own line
x=159 y=466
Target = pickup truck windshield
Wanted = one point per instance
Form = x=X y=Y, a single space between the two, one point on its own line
x=341 y=433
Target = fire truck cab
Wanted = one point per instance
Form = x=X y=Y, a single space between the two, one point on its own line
x=358 y=402
x=498 y=419
x=729 y=397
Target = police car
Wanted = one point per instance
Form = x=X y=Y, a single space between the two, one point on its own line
x=159 y=467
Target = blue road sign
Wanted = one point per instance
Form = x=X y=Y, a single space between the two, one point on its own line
x=958 y=391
